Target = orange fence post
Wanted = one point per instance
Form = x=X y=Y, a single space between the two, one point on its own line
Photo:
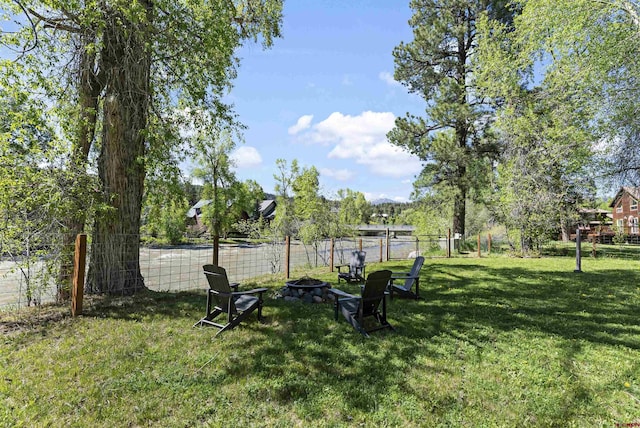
x=479 y=248
x=216 y=250
x=79 y=264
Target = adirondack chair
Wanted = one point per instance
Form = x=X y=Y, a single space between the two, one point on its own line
x=356 y=267
x=409 y=278
x=359 y=310
x=237 y=305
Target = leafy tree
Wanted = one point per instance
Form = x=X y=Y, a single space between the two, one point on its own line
x=453 y=138
x=35 y=196
x=133 y=63
x=164 y=209
x=230 y=198
x=283 y=224
x=429 y=217
x=316 y=221
x=588 y=47
x=547 y=131
x=354 y=208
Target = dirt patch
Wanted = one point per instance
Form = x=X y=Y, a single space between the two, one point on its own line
x=31 y=319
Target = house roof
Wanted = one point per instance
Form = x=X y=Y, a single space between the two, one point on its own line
x=201 y=203
x=633 y=191
x=594 y=211
x=268 y=209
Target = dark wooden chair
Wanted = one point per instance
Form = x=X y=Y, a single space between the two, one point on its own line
x=356 y=267
x=237 y=305
x=409 y=279
x=370 y=307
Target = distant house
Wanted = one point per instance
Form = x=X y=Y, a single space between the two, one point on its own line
x=625 y=210
x=195 y=212
x=267 y=210
x=592 y=219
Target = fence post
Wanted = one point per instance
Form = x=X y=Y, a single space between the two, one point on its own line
x=449 y=243
x=417 y=246
x=479 y=249
x=216 y=249
x=489 y=243
x=332 y=247
x=79 y=263
x=388 y=258
x=381 y=250
x=360 y=244
x=287 y=256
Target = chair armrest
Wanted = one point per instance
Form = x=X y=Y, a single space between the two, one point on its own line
x=400 y=274
x=234 y=286
x=219 y=293
x=254 y=291
x=340 y=293
x=341 y=266
x=405 y=277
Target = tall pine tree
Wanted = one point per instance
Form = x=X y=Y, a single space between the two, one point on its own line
x=452 y=137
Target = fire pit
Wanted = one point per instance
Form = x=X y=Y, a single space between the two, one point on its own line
x=309 y=290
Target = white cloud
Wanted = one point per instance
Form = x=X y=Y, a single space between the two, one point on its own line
x=338 y=174
x=387 y=77
x=246 y=157
x=363 y=138
x=304 y=122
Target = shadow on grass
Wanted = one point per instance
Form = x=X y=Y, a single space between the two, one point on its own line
x=302 y=356
x=593 y=306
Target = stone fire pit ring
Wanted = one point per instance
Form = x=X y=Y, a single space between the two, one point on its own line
x=308 y=290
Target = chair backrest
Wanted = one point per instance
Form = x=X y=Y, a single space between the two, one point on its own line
x=415 y=271
x=373 y=290
x=357 y=260
x=218 y=281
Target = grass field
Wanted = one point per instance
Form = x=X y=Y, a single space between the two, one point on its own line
x=495 y=342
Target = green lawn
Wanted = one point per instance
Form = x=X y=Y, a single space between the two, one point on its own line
x=494 y=342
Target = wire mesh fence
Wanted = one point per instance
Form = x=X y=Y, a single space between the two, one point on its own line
x=40 y=274
x=31 y=268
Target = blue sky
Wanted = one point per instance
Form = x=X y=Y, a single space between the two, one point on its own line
x=324 y=94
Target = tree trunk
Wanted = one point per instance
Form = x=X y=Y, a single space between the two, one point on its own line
x=88 y=93
x=115 y=263
x=459 y=211
x=566 y=233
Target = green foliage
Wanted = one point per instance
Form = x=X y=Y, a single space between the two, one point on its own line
x=619 y=236
x=453 y=139
x=229 y=199
x=428 y=218
x=126 y=78
x=546 y=132
x=584 y=49
x=283 y=224
x=36 y=194
x=354 y=208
